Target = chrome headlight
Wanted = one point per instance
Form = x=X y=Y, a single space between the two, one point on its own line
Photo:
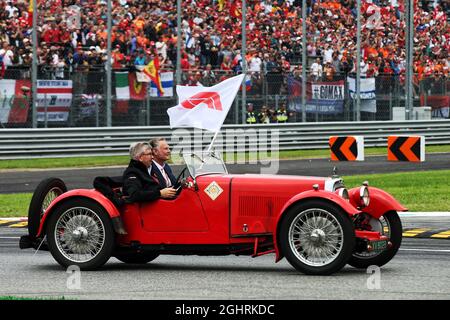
x=364 y=196
x=343 y=192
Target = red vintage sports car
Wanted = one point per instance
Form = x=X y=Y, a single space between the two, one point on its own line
x=315 y=222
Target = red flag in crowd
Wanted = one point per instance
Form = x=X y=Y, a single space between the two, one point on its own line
x=138 y=90
x=152 y=71
x=236 y=9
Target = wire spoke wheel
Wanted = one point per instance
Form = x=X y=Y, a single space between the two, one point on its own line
x=79 y=234
x=382 y=226
x=316 y=237
x=388 y=225
x=44 y=194
x=49 y=197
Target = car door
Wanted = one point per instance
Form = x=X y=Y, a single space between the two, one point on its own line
x=183 y=214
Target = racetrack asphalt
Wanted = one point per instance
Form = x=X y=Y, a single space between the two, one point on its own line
x=22 y=181
x=418 y=271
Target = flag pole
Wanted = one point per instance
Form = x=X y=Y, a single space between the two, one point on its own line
x=212 y=141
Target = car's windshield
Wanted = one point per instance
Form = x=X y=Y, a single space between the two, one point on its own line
x=204 y=163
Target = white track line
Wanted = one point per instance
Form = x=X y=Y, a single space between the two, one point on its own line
x=424 y=214
x=426 y=250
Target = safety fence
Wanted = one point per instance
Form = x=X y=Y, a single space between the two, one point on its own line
x=69 y=142
x=78 y=98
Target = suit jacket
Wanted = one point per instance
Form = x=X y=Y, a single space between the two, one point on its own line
x=162 y=181
x=138 y=185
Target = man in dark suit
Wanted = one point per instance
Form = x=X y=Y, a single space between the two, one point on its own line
x=160 y=169
x=138 y=185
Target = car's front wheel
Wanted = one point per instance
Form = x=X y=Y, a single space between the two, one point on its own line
x=80 y=233
x=316 y=237
x=388 y=225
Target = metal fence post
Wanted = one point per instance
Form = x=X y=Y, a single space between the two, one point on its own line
x=34 y=67
x=243 y=54
x=108 y=69
x=304 y=62
x=45 y=110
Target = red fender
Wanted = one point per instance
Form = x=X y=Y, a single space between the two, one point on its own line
x=86 y=193
x=311 y=194
x=380 y=202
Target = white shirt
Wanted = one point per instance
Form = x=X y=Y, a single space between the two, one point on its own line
x=164 y=173
x=255 y=64
x=8 y=57
x=316 y=69
x=328 y=55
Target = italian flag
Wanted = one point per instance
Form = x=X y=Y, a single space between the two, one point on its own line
x=122 y=92
x=14 y=100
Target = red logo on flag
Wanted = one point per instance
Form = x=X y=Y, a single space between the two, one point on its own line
x=211 y=99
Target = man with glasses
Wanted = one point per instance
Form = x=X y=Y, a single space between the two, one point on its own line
x=138 y=185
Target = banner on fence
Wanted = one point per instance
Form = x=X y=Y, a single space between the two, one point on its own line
x=440 y=105
x=89 y=104
x=14 y=100
x=321 y=97
x=54 y=98
x=366 y=93
x=327 y=98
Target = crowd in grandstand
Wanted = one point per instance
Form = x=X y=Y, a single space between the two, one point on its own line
x=75 y=37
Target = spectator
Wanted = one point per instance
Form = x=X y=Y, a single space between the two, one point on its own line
x=212 y=37
x=329 y=71
x=8 y=55
x=316 y=70
x=208 y=77
x=140 y=59
x=255 y=63
x=250 y=116
x=263 y=115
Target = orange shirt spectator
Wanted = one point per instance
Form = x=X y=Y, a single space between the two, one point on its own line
x=139 y=23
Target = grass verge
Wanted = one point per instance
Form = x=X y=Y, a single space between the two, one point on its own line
x=14 y=205
x=418 y=191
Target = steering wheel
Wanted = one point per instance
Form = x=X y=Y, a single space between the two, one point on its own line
x=181 y=175
x=178 y=182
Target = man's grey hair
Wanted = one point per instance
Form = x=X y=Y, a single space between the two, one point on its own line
x=137 y=149
x=154 y=143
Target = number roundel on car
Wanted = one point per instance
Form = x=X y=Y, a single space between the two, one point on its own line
x=213 y=190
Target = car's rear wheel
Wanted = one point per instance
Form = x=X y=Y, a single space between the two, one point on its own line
x=80 y=233
x=388 y=225
x=137 y=258
x=316 y=237
x=46 y=191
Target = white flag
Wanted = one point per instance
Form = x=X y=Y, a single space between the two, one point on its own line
x=204 y=107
